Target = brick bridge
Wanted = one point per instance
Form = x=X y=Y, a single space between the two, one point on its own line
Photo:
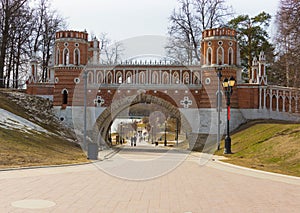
x=187 y=93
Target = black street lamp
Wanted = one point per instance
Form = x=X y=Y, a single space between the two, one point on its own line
x=152 y=128
x=228 y=85
x=121 y=133
x=165 y=133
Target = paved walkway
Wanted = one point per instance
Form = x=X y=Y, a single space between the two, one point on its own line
x=199 y=183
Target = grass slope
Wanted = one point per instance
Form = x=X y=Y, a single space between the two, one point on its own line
x=21 y=149
x=267 y=146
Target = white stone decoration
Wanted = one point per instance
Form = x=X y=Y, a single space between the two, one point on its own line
x=186 y=102
x=99 y=101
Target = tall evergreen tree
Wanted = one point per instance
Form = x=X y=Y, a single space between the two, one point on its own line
x=252 y=37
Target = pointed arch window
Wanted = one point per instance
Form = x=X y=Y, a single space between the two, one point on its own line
x=66 y=59
x=196 y=78
x=209 y=56
x=142 y=78
x=230 y=56
x=64 y=93
x=165 y=78
x=154 y=78
x=119 y=78
x=129 y=78
x=99 y=77
x=76 y=56
x=186 y=78
x=175 y=78
x=220 y=56
x=109 y=78
x=57 y=57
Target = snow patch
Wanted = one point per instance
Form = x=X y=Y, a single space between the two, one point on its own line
x=9 y=120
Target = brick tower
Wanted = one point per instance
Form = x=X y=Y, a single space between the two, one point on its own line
x=72 y=52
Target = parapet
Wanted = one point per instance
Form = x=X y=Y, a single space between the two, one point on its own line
x=72 y=34
x=224 y=31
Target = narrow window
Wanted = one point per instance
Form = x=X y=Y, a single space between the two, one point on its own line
x=65 y=96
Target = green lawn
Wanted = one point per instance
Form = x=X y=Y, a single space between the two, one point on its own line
x=271 y=147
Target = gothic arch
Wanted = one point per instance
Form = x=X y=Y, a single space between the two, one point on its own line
x=209 y=56
x=197 y=79
x=109 y=78
x=57 y=60
x=154 y=77
x=220 y=56
x=65 y=94
x=99 y=77
x=165 y=78
x=175 y=79
x=66 y=56
x=129 y=78
x=119 y=77
x=186 y=78
x=230 y=56
x=142 y=78
x=76 y=56
x=274 y=102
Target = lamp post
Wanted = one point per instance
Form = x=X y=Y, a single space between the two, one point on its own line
x=228 y=84
x=165 y=133
x=121 y=133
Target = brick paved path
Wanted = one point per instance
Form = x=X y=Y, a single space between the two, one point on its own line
x=189 y=187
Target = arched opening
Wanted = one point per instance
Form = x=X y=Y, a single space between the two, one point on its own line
x=109 y=78
x=76 y=56
x=220 y=56
x=129 y=78
x=175 y=79
x=165 y=78
x=197 y=80
x=66 y=58
x=125 y=107
x=186 y=78
x=230 y=56
x=280 y=104
x=209 y=56
x=119 y=78
x=142 y=79
x=155 y=78
x=274 y=103
x=287 y=104
x=64 y=96
x=99 y=77
x=57 y=57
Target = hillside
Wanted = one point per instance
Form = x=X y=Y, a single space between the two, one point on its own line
x=30 y=135
x=267 y=145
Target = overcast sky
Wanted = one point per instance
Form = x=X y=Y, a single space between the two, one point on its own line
x=123 y=19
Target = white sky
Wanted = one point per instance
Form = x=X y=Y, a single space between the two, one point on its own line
x=123 y=19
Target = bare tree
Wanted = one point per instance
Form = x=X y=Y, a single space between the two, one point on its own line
x=187 y=23
x=287 y=42
x=110 y=52
x=9 y=11
x=46 y=22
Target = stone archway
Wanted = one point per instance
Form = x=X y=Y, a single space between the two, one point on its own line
x=106 y=118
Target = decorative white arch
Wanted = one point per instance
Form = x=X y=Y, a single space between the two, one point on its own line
x=66 y=56
x=209 y=56
x=76 y=56
x=220 y=56
x=230 y=56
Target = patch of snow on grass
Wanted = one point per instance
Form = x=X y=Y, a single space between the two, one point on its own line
x=9 y=120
